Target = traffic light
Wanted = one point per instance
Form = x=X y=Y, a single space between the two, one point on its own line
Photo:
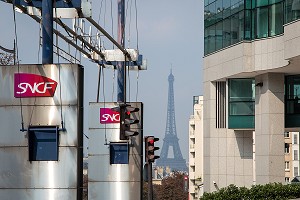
x=125 y=111
x=150 y=149
x=185 y=183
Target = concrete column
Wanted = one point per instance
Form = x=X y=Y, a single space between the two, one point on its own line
x=269 y=128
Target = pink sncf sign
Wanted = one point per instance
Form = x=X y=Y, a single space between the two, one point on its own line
x=32 y=85
x=108 y=116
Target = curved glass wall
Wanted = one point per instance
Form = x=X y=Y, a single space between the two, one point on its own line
x=227 y=22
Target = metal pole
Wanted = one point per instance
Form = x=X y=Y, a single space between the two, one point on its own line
x=47 y=31
x=150 y=186
x=121 y=40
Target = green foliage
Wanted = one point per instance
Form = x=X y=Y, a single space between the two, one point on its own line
x=271 y=191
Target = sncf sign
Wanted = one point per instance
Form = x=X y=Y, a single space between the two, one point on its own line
x=32 y=85
x=108 y=116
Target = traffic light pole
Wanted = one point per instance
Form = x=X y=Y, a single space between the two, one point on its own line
x=121 y=40
x=150 y=185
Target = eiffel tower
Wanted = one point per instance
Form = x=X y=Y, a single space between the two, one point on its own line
x=171 y=140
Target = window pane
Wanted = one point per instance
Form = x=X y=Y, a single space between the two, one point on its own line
x=43 y=143
x=242 y=90
x=212 y=9
x=241 y=97
x=296 y=9
x=234 y=28
x=274 y=1
x=286 y=148
x=206 y=41
x=206 y=2
x=262 y=3
x=287 y=165
x=211 y=38
x=295 y=154
x=247 y=25
x=219 y=35
x=242 y=108
x=276 y=19
x=292 y=95
x=226 y=4
x=226 y=32
x=287 y=134
x=262 y=22
x=248 y=4
x=119 y=153
x=219 y=6
x=295 y=171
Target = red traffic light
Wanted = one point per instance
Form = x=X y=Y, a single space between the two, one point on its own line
x=151 y=141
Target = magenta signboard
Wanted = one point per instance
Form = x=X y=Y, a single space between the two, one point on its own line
x=33 y=85
x=108 y=116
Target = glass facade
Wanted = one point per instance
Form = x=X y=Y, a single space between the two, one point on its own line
x=241 y=103
x=228 y=22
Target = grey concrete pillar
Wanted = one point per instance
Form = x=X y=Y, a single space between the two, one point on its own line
x=269 y=128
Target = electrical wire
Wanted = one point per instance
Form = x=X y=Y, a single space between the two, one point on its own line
x=40 y=42
x=100 y=13
x=59 y=71
x=112 y=22
x=129 y=32
x=137 y=85
x=56 y=40
x=18 y=63
x=113 y=84
x=103 y=85
x=128 y=75
x=136 y=26
x=99 y=81
x=104 y=102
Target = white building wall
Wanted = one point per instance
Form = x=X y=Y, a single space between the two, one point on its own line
x=295 y=156
x=196 y=151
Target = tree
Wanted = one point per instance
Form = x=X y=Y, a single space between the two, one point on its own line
x=171 y=188
x=6 y=59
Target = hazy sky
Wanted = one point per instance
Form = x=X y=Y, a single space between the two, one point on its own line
x=170 y=35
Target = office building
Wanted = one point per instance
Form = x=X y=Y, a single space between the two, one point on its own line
x=251 y=89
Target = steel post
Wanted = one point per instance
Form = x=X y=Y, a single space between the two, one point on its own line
x=121 y=40
x=47 y=31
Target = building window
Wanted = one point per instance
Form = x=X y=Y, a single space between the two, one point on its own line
x=195 y=100
x=295 y=154
x=241 y=105
x=221 y=104
x=241 y=96
x=43 y=143
x=229 y=22
x=286 y=148
x=286 y=134
x=287 y=166
x=287 y=179
x=119 y=153
x=295 y=138
x=292 y=101
x=296 y=171
x=292 y=11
